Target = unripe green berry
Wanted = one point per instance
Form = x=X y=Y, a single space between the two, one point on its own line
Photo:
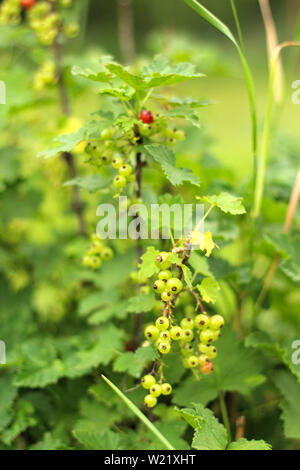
x=155 y=390
x=117 y=162
x=203 y=348
x=164 y=347
x=151 y=332
x=162 y=260
x=207 y=336
x=187 y=323
x=188 y=335
x=166 y=389
x=201 y=321
x=164 y=276
x=107 y=253
x=212 y=352
x=203 y=359
x=159 y=286
x=150 y=401
x=119 y=181
x=192 y=361
x=174 y=285
x=125 y=170
x=216 y=322
x=162 y=323
x=165 y=335
x=166 y=296
x=147 y=381
x=176 y=333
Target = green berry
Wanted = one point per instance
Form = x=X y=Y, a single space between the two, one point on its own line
x=164 y=347
x=148 y=381
x=166 y=296
x=165 y=335
x=106 y=134
x=187 y=323
x=192 y=361
x=107 y=253
x=166 y=389
x=179 y=135
x=176 y=333
x=164 y=276
x=125 y=170
x=212 y=352
x=151 y=332
x=117 y=162
x=186 y=349
x=188 y=335
x=150 y=401
x=174 y=285
x=155 y=390
x=119 y=181
x=162 y=323
x=203 y=348
x=201 y=321
x=207 y=336
x=95 y=262
x=159 y=286
x=216 y=322
x=162 y=260
x=203 y=359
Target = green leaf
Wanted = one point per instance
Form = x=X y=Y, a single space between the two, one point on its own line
x=41 y=366
x=92 y=183
x=209 y=434
x=139 y=414
x=166 y=158
x=120 y=93
x=24 y=418
x=290 y=390
x=135 y=81
x=200 y=264
x=97 y=440
x=49 y=442
x=101 y=76
x=8 y=393
x=226 y=202
x=140 y=303
x=135 y=362
x=208 y=289
x=183 y=112
x=237 y=368
x=244 y=444
x=148 y=267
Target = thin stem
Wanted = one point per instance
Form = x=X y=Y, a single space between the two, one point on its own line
x=67 y=156
x=126 y=31
x=238 y=26
x=224 y=412
x=261 y=174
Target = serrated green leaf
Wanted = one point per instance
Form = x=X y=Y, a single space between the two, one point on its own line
x=209 y=289
x=92 y=183
x=8 y=393
x=101 y=76
x=97 y=440
x=23 y=419
x=200 y=264
x=135 y=362
x=148 y=267
x=244 y=444
x=226 y=202
x=166 y=158
x=135 y=81
x=290 y=389
x=140 y=303
x=209 y=434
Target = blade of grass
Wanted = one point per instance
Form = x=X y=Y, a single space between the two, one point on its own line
x=218 y=24
x=139 y=414
x=261 y=174
x=238 y=26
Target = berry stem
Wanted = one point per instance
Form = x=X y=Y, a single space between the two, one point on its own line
x=67 y=156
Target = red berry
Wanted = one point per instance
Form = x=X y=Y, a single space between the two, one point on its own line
x=146 y=117
x=28 y=4
x=207 y=368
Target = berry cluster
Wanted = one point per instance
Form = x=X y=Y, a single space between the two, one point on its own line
x=45 y=76
x=155 y=389
x=192 y=335
x=43 y=16
x=158 y=130
x=97 y=253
